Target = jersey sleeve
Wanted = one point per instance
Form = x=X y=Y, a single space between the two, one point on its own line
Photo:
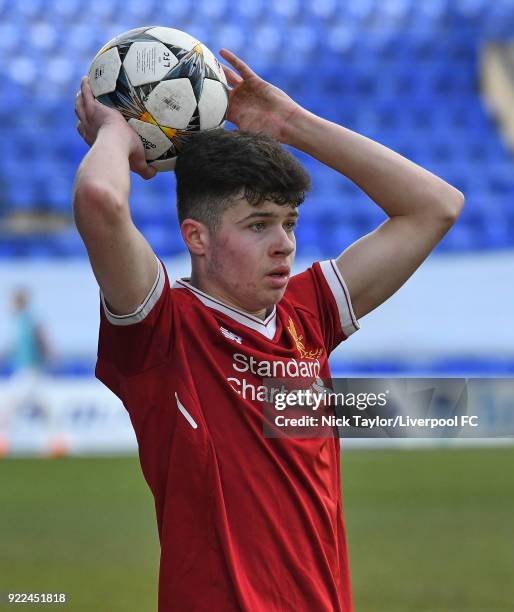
x=321 y=289
x=136 y=342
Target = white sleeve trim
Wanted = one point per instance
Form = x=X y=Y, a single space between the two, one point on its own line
x=341 y=295
x=143 y=310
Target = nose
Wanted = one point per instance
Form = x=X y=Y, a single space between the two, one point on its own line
x=284 y=243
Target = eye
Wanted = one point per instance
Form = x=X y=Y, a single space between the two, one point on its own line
x=289 y=226
x=258 y=227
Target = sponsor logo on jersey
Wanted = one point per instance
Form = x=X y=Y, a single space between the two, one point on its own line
x=231 y=336
x=300 y=346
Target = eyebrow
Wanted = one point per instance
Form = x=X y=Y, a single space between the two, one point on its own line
x=267 y=215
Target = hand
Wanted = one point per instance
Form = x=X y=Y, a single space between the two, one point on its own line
x=93 y=116
x=255 y=104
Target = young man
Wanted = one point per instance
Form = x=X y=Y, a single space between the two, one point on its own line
x=245 y=522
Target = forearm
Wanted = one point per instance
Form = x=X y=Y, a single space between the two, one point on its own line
x=106 y=165
x=397 y=185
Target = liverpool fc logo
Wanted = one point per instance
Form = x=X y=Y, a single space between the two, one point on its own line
x=300 y=346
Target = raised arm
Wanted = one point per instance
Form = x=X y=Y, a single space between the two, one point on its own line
x=122 y=260
x=421 y=207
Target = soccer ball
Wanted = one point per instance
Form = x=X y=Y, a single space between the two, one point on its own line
x=165 y=83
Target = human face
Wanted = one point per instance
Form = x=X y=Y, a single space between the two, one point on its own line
x=251 y=255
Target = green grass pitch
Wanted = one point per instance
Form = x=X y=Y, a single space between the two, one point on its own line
x=428 y=530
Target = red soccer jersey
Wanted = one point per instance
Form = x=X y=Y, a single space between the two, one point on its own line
x=245 y=522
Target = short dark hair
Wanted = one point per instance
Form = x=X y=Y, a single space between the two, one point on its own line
x=217 y=165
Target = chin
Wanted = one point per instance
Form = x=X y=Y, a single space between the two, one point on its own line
x=277 y=295
x=267 y=297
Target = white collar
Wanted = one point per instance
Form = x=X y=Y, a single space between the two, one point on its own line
x=266 y=327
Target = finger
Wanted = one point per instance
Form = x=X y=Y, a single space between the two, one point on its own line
x=244 y=70
x=79 y=107
x=82 y=131
x=87 y=94
x=140 y=166
x=233 y=79
x=148 y=173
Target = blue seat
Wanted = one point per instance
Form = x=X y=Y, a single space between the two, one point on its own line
x=84 y=41
x=59 y=194
x=11 y=38
x=342 y=236
x=40 y=249
x=21 y=196
x=163 y=240
x=399 y=71
x=471 y=9
x=461 y=237
x=67 y=10
x=495 y=232
x=67 y=243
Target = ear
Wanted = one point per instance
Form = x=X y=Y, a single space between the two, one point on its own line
x=196 y=236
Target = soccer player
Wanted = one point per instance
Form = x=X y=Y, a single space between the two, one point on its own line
x=245 y=522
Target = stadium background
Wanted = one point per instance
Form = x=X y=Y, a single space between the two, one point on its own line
x=429 y=529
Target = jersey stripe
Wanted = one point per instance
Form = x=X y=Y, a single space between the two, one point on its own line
x=146 y=306
x=335 y=281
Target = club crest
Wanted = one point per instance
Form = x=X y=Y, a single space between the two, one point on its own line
x=300 y=346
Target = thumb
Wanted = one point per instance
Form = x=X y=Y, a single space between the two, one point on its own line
x=140 y=166
x=148 y=172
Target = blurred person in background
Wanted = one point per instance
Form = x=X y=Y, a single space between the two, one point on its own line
x=28 y=357
x=30 y=349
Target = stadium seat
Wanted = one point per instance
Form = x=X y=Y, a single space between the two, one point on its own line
x=462 y=237
x=400 y=71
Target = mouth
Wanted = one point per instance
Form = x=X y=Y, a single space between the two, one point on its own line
x=279 y=276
